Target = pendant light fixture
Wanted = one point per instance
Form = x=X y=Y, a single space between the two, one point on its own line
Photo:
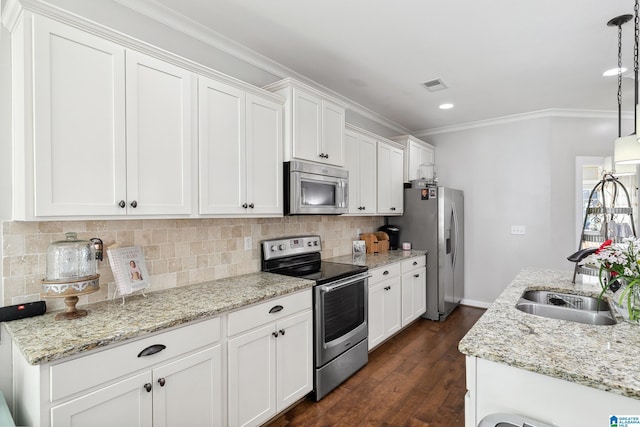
x=626 y=149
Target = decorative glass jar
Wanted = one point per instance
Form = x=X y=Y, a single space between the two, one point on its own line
x=71 y=271
x=71 y=259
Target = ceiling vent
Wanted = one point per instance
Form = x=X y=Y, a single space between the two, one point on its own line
x=434 y=85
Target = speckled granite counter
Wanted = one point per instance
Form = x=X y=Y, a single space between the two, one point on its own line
x=42 y=339
x=603 y=357
x=377 y=260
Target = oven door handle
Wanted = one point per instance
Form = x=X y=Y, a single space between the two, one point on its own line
x=344 y=282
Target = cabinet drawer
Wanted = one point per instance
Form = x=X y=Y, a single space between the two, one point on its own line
x=413 y=263
x=88 y=371
x=384 y=273
x=268 y=311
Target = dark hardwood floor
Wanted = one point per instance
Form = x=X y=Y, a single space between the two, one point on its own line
x=417 y=378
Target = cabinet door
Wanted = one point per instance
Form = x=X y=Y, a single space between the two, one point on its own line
x=159 y=137
x=252 y=377
x=384 y=178
x=352 y=164
x=392 y=306
x=79 y=122
x=418 y=155
x=376 y=314
x=294 y=358
x=307 y=126
x=414 y=288
x=395 y=180
x=264 y=156
x=125 y=403
x=188 y=392
x=332 y=133
x=368 y=175
x=221 y=138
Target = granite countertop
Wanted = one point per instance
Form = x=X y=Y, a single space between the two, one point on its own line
x=378 y=260
x=43 y=339
x=602 y=357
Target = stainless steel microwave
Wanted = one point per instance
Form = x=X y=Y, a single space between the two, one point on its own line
x=313 y=189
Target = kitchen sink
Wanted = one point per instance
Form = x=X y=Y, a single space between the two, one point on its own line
x=564 y=306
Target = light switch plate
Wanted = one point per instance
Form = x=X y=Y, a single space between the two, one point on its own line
x=247 y=243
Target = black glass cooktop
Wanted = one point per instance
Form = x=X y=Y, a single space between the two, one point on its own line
x=321 y=271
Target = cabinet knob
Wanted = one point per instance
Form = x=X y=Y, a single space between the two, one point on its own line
x=122 y=204
x=134 y=204
x=275 y=334
x=148 y=387
x=244 y=205
x=415 y=262
x=387 y=288
x=161 y=381
x=393 y=209
x=281 y=331
x=252 y=206
x=416 y=275
x=385 y=272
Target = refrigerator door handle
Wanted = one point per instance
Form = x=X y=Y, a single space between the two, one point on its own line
x=454 y=215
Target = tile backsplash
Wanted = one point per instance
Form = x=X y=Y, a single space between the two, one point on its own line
x=177 y=252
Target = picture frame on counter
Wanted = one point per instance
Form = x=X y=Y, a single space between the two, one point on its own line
x=359 y=247
x=129 y=269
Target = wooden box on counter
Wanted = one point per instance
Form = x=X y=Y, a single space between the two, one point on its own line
x=377 y=242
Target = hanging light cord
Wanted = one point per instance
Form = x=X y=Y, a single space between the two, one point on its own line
x=619 y=80
x=635 y=65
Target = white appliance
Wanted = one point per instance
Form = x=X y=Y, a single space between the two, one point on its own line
x=434 y=220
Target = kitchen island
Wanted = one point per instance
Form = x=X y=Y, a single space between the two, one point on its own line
x=559 y=372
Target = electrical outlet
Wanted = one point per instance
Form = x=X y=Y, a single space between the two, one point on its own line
x=518 y=229
x=358 y=232
x=247 y=243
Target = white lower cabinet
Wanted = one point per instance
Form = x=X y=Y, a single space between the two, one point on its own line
x=125 y=403
x=184 y=392
x=414 y=289
x=270 y=358
x=179 y=382
x=384 y=303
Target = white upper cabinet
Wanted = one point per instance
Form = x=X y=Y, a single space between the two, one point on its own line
x=240 y=151
x=79 y=146
x=390 y=185
x=314 y=124
x=111 y=128
x=159 y=136
x=417 y=154
x=361 y=164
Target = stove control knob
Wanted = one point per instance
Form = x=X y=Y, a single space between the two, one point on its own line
x=315 y=243
x=281 y=247
x=310 y=244
x=274 y=248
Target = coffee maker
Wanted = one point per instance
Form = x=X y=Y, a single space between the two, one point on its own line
x=394 y=235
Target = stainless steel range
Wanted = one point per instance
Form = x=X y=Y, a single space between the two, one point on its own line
x=340 y=307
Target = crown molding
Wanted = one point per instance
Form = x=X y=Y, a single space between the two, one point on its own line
x=181 y=23
x=548 y=113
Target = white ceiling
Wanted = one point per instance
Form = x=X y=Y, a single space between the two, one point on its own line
x=497 y=57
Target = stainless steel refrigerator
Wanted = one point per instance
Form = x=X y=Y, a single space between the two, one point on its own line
x=434 y=220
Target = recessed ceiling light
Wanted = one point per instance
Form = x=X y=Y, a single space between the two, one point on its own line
x=613 y=72
x=446 y=106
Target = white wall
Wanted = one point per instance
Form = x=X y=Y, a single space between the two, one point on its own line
x=518 y=173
